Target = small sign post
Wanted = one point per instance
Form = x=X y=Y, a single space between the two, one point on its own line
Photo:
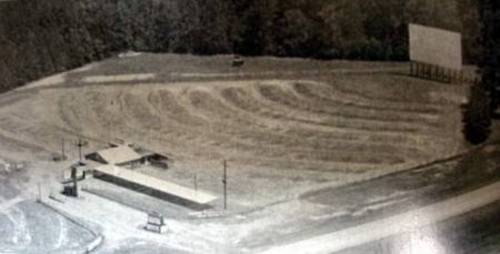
x=156 y=223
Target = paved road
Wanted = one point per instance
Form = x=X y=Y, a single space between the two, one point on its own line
x=119 y=223
x=5 y=205
x=398 y=224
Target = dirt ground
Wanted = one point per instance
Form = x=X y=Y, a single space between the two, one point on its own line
x=285 y=126
x=289 y=133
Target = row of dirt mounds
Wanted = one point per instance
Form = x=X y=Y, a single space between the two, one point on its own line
x=341 y=122
x=301 y=124
x=353 y=106
x=322 y=113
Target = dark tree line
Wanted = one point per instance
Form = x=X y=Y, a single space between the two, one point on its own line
x=40 y=37
x=484 y=97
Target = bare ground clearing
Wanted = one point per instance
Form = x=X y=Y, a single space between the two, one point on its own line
x=345 y=127
x=307 y=126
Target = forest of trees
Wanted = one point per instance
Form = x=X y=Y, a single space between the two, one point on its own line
x=40 y=37
x=484 y=96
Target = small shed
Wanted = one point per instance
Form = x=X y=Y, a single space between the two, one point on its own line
x=153 y=158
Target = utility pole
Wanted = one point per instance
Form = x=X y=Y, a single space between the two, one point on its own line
x=63 y=153
x=80 y=144
x=196 y=184
x=74 y=178
x=224 y=182
x=39 y=192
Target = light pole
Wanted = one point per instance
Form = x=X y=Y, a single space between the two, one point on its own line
x=224 y=182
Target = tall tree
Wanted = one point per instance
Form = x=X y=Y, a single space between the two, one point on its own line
x=470 y=26
x=489 y=63
x=484 y=96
